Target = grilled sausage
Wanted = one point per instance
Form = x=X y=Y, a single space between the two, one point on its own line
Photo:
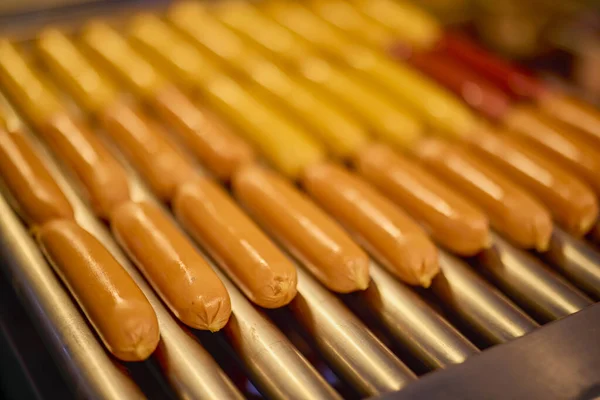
x=252 y=261
x=182 y=278
x=571 y=202
x=112 y=302
x=453 y=221
x=397 y=241
x=511 y=210
x=304 y=229
x=157 y=160
x=36 y=195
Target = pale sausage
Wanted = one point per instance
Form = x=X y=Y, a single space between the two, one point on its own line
x=145 y=144
x=37 y=197
x=304 y=229
x=112 y=302
x=452 y=220
x=251 y=260
x=385 y=230
x=511 y=210
x=182 y=278
x=571 y=202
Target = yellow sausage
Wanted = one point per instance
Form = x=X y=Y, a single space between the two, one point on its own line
x=337 y=130
x=182 y=278
x=397 y=241
x=386 y=119
x=452 y=220
x=443 y=111
x=571 y=202
x=36 y=194
x=112 y=302
x=511 y=210
x=305 y=230
x=251 y=260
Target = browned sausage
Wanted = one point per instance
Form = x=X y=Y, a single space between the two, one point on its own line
x=219 y=149
x=112 y=302
x=37 y=196
x=571 y=202
x=385 y=230
x=305 y=230
x=104 y=179
x=511 y=210
x=251 y=260
x=453 y=221
x=559 y=141
x=157 y=160
x=177 y=272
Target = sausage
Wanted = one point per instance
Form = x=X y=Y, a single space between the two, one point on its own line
x=103 y=178
x=513 y=81
x=24 y=86
x=558 y=141
x=407 y=21
x=112 y=302
x=573 y=112
x=452 y=221
x=442 y=111
x=155 y=157
x=382 y=228
x=90 y=88
x=305 y=230
x=182 y=278
x=347 y=18
x=251 y=260
x=34 y=191
x=476 y=91
x=341 y=134
x=511 y=210
x=219 y=149
x=571 y=202
x=386 y=120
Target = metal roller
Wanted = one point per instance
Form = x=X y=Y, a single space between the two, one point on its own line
x=478 y=304
x=412 y=322
x=188 y=368
x=341 y=338
x=82 y=359
x=539 y=291
x=576 y=260
x=275 y=366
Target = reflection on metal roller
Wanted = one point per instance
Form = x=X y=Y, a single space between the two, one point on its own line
x=412 y=322
x=478 y=304
x=542 y=293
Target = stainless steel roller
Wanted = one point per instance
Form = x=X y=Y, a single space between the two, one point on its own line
x=412 y=322
x=478 y=304
x=275 y=366
x=575 y=259
x=349 y=347
x=538 y=290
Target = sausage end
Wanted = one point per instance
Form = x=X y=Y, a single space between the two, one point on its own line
x=143 y=334
x=279 y=292
x=207 y=316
